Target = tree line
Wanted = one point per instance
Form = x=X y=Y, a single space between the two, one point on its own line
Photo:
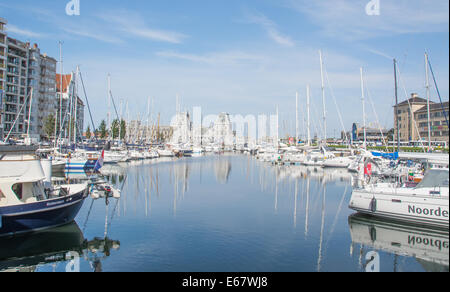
x=103 y=132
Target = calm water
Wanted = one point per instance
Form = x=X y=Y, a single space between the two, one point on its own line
x=230 y=214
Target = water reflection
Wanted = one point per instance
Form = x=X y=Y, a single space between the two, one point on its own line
x=222 y=169
x=428 y=246
x=229 y=213
x=29 y=252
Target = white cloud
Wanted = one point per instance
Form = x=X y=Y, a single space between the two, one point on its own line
x=156 y=35
x=97 y=36
x=23 y=32
x=224 y=58
x=271 y=29
x=132 y=24
x=347 y=19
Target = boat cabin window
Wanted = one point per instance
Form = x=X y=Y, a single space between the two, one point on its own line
x=434 y=178
x=2 y=196
x=17 y=189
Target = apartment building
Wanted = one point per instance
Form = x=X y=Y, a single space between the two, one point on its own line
x=16 y=103
x=41 y=78
x=412 y=116
x=438 y=123
x=404 y=113
x=27 y=81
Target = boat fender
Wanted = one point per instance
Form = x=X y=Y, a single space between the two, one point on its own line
x=373 y=205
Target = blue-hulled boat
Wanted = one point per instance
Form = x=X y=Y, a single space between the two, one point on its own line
x=27 y=203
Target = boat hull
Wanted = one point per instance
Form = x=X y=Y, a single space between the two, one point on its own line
x=336 y=163
x=79 y=165
x=422 y=210
x=40 y=215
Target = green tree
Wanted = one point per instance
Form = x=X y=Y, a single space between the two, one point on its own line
x=49 y=125
x=88 y=132
x=123 y=129
x=102 y=129
x=115 y=129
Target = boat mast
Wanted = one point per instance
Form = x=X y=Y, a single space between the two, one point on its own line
x=396 y=105
x=296 y=119
x=128 y=132
x=60 y=88
x=109 y=106
x=308 y=122
x=323 y=100
x=158 y=131
x=428 y=101
x=29 y=116
x=278 y=129
x=75 y=90
x=364 y=108
x=120 y=121
x=148 y=120
x=70 y=108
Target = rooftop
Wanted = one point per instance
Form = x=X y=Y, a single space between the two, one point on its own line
x=433 y=107
x=414 y=99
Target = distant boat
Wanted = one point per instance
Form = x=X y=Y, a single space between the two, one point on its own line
x=82 y=162
x=27 y=203
x=166 y=153
x=338 y=162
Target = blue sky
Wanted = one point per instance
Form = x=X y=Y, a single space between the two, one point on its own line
x=242 y=56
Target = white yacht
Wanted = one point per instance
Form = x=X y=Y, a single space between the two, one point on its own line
x=112 y=157
x=338 y=162
x=165 y=153
x=426 y=203
x=317 y=157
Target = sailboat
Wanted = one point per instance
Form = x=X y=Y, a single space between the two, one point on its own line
x=425 y=204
